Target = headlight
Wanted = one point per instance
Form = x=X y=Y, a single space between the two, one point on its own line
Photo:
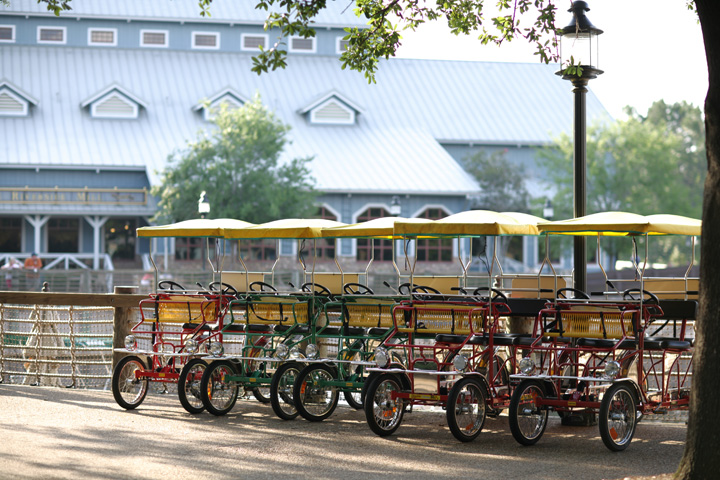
x=295 y=352
x=312 y=351
x=130 y=342
x=191 y=346
x=282 y=351
x=612 y=368
x=527 y=366
x=460 y=362
x=382 y=357
x=216 y=349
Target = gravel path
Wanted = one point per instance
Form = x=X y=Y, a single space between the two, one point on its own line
x=64 y=433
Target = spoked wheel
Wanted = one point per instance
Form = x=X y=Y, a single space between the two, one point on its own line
x=189 y=385
x=129 y=392
x=383 y=412
x=218 y=393
x=354 y=398
x=262 y=394
x=466 y=409
x=618 y=417
x=281 y=390
x=527 y=419
x=314 y=401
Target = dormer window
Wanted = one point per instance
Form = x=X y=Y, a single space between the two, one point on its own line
x=253 y=42
x=300 y=44
x=7 y=33
x=102 y=37
x=113 y=103
x=51 y=35
x=14 y=102
x=332 y=109
x=154 y=38
x=227 y=98
x=206 y=40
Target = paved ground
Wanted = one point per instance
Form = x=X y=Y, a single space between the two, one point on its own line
x=63 y=433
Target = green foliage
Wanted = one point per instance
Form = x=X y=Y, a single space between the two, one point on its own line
x=502 y=182
x=237 y=164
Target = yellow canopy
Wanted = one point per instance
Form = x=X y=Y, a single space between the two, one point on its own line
x=623 y=223
x=200 y=227
x=286 y=228
x=471 y=223
x=376 y=228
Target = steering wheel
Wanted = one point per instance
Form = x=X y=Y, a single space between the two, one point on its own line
x=226 y=288
x=628 y=295
x=169 y=285
x=498 y=294
x=263 y=287
x=357 y=289
x=425 y=289
x=404 y=288
x=318 y=289
x=576 y=293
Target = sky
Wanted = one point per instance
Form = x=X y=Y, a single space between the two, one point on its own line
x=650 y=50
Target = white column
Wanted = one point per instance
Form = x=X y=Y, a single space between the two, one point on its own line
x=97 y=223
x=37 y=221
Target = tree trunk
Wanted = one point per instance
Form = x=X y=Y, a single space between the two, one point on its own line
x=700 y=459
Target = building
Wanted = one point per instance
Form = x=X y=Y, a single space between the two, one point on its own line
x=93 y=102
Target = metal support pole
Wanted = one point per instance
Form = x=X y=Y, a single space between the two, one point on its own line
x=579 y=183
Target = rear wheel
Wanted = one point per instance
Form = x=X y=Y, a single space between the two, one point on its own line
x=129 y=392
x=262 y=394
x=466 y=409
x=281 y=390
x=189 y=385
x=383 y=412
x=527 y=418
x=218 y=393
x=617 y=420
x=315 y=401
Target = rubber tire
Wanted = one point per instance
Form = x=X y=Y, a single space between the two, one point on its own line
x=261 y=394
x=212 y=380
x=300 y=391
x=188 y=391
x=378 y=391
x=516 y=428
x=476 y=389
x=123 y=369
x=281 y=390
x=618 y=395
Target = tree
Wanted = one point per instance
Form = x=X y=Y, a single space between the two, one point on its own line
x=502 y=182
x=237 y=164
x=380 y=40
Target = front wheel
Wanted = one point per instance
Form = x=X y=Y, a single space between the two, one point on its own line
x=281 y=390
x=528 y=418
x=618 y=416
x=189 y=385
x=128 y=390
x=315 y=401
x=466 y=409
x=218 y=392
x=383 y=412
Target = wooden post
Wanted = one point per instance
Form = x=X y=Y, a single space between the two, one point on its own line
x=122 y=321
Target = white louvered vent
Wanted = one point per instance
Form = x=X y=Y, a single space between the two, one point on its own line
x=114 y=106
x=10 y=105
x=300 y=44
x=254 y=42
x=332 y=112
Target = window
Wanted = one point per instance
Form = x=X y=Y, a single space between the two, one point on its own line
x=104 y=37
x=253 y=42
x=12 y=105
x=300 y=44
x=153 y=38
x=51 y=35
x=63 y=235
x=265 y=249
x=383 y=249
x=206 y=40
x=10 y=234
x=7 y=33
x=341 y=45
x=120 y=238
x=187 y=249
x=435 y=250
x=325 y=247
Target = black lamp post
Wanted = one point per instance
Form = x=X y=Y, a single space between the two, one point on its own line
x=579 y=47
x=203 y=209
